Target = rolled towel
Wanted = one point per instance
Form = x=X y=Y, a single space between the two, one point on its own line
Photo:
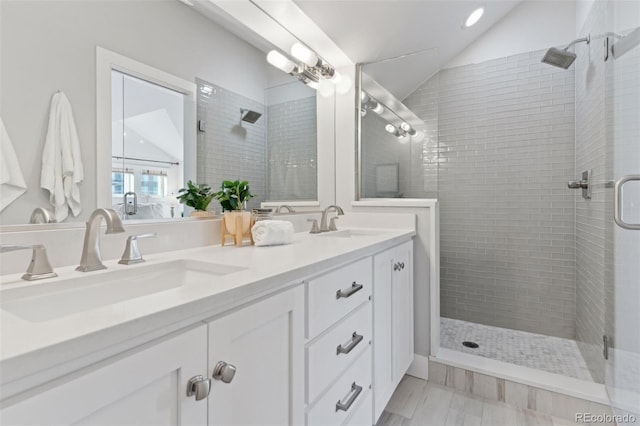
x=272 y=232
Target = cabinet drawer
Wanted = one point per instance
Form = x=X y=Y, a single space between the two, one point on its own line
x=333 y=295
x=363 y=414
x=348 y=390
x=330 y=355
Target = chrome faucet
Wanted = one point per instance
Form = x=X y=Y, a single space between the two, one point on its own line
x=91 y=260
x=324 y=227
x=40 y=212
x=39 y=267
x=132 y=253
x=285 y=206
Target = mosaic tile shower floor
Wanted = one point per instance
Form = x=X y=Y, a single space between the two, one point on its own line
x=547 y=353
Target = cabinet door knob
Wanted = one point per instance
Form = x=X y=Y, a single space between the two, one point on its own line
x=396 y=266
x=198 y=386
x=401 y=265
x=223 y=371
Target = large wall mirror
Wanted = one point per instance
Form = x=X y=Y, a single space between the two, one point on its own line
x=398 y=127
x=161 y=93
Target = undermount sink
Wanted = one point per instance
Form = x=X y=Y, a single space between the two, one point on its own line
x=47 y=301
x=348 y=233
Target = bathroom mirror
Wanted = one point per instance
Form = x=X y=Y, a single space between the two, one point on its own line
x=51 y=46
x=397 y=132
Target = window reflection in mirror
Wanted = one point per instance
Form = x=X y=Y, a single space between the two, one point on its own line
x=147 y=151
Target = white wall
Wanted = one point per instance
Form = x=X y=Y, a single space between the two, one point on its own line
x=50 y=45
x=532 y=25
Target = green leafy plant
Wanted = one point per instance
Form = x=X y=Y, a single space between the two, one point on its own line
x=233 y=194
x=198 y=196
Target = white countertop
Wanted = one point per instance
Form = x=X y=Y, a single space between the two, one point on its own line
x=27 y=347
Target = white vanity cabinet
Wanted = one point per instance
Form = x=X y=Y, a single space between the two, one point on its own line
x=328 y=351
x=264 y=343
x=144 y=386
x=338 y=349
x=392 y=321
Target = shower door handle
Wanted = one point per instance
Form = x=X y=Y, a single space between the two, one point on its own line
x=617 y=202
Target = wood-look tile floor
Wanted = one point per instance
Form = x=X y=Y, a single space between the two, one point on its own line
x=417 y=402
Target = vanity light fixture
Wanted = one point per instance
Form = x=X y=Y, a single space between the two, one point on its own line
x=407 y=128
x=474 y=17
x=368 y=102
x=281 y=62
x=397 y=132
x=311 y=68
x=312 y=60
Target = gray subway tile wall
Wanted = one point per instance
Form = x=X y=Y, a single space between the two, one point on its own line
x=292 y=150
x=229 y=148
x=506 y=146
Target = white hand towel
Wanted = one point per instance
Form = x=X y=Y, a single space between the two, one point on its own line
x=12 y=184
x=272 y=232
x=62 y=168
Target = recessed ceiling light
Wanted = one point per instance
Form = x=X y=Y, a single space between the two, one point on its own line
x=474 y=17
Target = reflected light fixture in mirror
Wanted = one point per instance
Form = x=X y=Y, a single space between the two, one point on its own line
x=370 y=103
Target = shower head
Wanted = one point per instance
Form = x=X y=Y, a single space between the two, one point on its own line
x=563 y=58
x=249 y=116
x=559 y=58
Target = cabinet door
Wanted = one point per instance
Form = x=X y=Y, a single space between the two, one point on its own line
x=392 y=321
x=265 y=344
x=383 y=380
x=145 y=386
x=402 y=309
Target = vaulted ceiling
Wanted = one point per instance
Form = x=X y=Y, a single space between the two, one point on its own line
x=371 y=31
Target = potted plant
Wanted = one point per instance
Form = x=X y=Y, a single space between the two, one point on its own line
x=197 y=196
x=232 y=196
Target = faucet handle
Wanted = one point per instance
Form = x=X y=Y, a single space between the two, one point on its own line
x=132 y=253
x=332 y=223
x=314 y=227
x=39 y=267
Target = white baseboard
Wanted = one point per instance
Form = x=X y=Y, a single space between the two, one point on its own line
x=419 y=367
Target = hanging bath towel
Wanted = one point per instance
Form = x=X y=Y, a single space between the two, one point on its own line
x=62 y=169
x=12 y=184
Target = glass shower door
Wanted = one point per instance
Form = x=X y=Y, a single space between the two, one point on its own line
x=622 y=219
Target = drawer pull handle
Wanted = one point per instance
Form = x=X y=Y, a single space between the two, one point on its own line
x=355 y=339
x=355 y=287
x=356 y=392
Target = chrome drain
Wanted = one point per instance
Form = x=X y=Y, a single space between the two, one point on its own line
x=472 y=345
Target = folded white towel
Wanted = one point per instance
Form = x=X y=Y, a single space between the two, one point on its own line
x=12 y=184
x=62 y=168
x=272 y=232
